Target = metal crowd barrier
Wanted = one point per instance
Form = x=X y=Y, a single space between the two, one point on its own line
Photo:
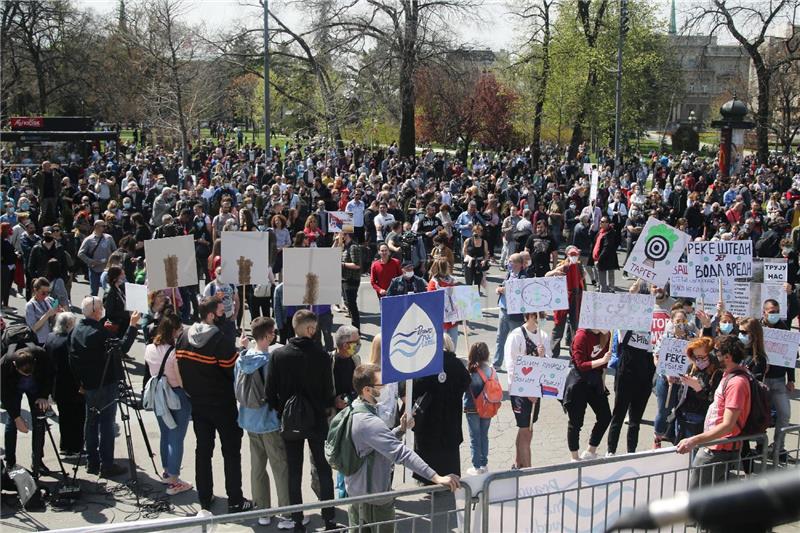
x=590 y=495
x=789 y=456
x=582 y=496
x=425 y=509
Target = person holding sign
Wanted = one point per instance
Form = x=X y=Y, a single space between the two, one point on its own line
x=779 y=379
x=527 y=339
x=585 y=387
x=576 y=284
x=697 y=393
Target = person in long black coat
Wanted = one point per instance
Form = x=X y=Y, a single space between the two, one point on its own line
x=437 y=430
x=66 y=389
x=606 y=260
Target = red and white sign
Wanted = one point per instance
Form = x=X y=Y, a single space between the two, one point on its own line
x=26 y=122
x=660 y=319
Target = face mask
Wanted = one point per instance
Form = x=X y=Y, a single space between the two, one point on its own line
x=702 y=364
x=126 y=205
x=572 y=259
x=10 y=210
x=261 y=227
x=408 y=275
x=773 y=318
x=200 y=224
x=726 y=327
x=48 y=238
x=572 y=206
x=744 y=338
x=25 y=206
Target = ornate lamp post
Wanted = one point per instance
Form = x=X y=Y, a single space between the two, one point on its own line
x=732 y=127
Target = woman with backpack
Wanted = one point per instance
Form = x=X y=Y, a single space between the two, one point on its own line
x=481 y=403
x=160 y=360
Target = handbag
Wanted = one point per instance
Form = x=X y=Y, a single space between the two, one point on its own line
x=148 y=396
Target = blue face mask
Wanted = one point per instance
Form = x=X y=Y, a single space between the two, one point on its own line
x=744 y=338
x=726 y=327
x=773 y=318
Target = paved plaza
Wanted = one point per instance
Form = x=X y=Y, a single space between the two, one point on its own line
x=107 y=502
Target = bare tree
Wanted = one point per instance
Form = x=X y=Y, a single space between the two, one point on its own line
x=785 y=104
x=750 y=23
x=539 y=14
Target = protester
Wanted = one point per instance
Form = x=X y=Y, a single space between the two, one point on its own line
x=384 y=270
x=507 y=322
x=382 y=447
x=697 y=393
x=95 y=251
x=41 y=310
x=351 y=276
x=174 y=421
x=262 y=425
x=568 y=319
x=407 y=283
x=66 y=390
x=206 y=354
x=779 y=379
x=528 y=339
x=481 y=372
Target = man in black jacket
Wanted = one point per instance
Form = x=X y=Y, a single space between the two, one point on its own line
x=26 y=372
x=99 y=372
x=206 y=357
x=303 y=368
x=43 y=252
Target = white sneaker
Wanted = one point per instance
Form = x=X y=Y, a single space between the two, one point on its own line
x=483 y=469
x=471 y=471
x=573 y=460
x=288 y=523
x=264 y=521
x=609 y=454
x=588 y=455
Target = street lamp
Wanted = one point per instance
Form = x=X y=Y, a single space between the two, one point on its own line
x=692 y=118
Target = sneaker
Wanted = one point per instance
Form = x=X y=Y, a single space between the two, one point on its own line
x=113 y=470
x=178 y=486
x=264 y=521
x=288 y=523
x=166 y=479
x=206 y=506
x=573 y=460
x=483 y=469
x=587 y=455
x=245 y=505
x=471 y=471
x=610 y=454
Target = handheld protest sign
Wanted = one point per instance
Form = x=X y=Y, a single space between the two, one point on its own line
x=136 y=298
x=530 y=295
x=462 y=302
x=656 y=253
x=245 y=257
x=610 y=311
x=340 y=222
x=720 y=259
x=781 y=346
x=672 y=358
x=412 y=336
x=171 y=262
x=540 y=377
x=312 y=276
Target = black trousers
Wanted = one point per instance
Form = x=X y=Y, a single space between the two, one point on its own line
x=583 y=395
x=632 y=393
x=37 y=448
x=351 y=301
x=260 y=306
x=294 y=459
x=207 y=421
x=71 y=419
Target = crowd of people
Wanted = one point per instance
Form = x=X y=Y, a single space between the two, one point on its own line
x=416 y=222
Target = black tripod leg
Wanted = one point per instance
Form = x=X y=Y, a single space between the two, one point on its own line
x=55 y=449
x=147 y=442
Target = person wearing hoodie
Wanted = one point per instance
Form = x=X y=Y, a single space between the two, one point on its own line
x=206 y=357
x=303 y=368
x=262 y=425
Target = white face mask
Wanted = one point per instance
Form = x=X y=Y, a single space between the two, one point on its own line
x=572 y=259
x=408 y=275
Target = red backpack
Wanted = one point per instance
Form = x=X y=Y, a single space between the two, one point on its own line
x=488 y=401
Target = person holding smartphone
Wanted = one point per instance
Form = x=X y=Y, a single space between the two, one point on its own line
x=41 y=310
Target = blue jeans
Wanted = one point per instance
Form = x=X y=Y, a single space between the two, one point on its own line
x=504 y=327
x=663 y=409
x=94 y=282
x=100 y=426
x=172 y=439
x=478 y=439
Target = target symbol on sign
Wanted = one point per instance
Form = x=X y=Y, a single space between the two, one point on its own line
x=655 y=249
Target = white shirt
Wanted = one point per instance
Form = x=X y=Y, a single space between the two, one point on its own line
x=357 y=208
x=381 y=223
x=515 y=345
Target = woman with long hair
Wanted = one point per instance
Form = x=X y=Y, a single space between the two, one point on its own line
x=476 y=256
x=480 y=371
x=698 y=387
x=311 y=230
x=282 y=236
x=751 y=334
x=173 y=428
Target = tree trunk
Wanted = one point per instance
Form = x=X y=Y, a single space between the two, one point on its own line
x=762 y=111
x=41 y=85
x=408 y=134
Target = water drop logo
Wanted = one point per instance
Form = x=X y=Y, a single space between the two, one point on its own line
x=413 y=343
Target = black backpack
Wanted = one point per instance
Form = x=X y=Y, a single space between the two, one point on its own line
x=760 y=411
x=297 y=420
x=17 y=336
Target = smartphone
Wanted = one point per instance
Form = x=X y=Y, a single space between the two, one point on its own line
x=54 y=302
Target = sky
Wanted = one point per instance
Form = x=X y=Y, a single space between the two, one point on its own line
x=494 y=30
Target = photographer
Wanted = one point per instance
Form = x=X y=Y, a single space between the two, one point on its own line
x=26 y=372
x=99 y=369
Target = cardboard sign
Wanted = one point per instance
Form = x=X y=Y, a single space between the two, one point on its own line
x=312 y=276
x=412 y=336
x=245 y=257
x=658 y=323
x=761 y=292
x=595 y=186
x=530 y=295
x=672 y=358
x=340 y=222
x=609 y=311
x=656 y=253
x=462 y=302
x=720 y=259
x=781 y=346
x=638 y=339
x=542 y=377
x=775 y=270
x=171 y=262
x=136 y=298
